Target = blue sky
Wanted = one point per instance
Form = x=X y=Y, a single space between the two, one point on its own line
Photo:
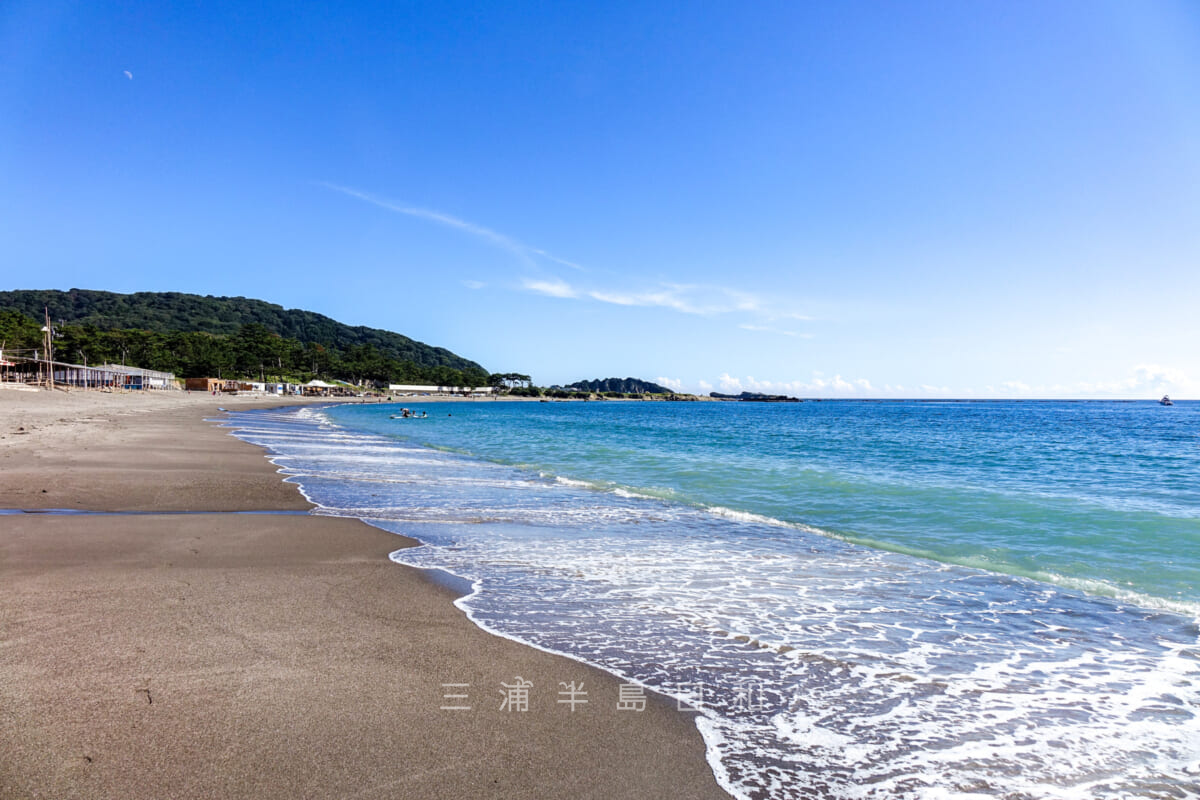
x=831 y=199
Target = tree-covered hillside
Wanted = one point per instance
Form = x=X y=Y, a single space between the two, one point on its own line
x=166 y=312
x=196 y=336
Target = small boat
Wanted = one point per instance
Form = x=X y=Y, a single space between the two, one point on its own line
x=1166 y=401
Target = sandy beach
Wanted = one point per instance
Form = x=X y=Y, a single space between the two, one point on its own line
x=211 y=654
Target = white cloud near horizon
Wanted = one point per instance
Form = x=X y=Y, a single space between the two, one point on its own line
x=817 y=386
x=1145 y=381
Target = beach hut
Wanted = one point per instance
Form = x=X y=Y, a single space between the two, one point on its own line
x=138 y=378
x=212 y=385
x=203 y=384
x=318 y=388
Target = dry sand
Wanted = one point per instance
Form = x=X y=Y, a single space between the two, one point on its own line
x=218 y=655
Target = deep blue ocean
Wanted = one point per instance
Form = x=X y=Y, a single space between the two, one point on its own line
x=865 y=599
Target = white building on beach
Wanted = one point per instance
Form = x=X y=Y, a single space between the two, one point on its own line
x=405 y=388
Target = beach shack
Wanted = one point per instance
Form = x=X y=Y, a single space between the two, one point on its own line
x=40 y=371
x=210 y=385
x=317 y=388
x=202 y=384
x=138 y=378
x=4 y=367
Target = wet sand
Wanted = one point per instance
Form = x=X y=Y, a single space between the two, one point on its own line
x=219 y=655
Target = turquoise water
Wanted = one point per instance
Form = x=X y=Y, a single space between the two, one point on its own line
x=859 y=600
x=1100 y=496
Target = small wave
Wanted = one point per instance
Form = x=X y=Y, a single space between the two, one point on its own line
x=626 y=492
x=645 y=494
x=559 y=479
x=761 y=519
x=1101 y=588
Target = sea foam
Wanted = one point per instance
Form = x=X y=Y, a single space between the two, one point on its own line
x=817 y=667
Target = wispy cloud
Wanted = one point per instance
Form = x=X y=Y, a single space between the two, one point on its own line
x=522 y=251
x=697 y=299
x=550 y=288
x=768 y=329
x=473 y=284
x=662 y=298
x=558 y=260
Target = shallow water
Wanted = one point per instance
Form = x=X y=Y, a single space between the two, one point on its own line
x=715 y=553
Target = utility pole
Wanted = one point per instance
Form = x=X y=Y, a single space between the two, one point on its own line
x=48 y=349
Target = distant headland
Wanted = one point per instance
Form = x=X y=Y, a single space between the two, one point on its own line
x=755 y=397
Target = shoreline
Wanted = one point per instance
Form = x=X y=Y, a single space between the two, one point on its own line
x=238 y=655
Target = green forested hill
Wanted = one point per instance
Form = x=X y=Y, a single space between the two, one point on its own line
x=164 y=312
x=194 y=335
